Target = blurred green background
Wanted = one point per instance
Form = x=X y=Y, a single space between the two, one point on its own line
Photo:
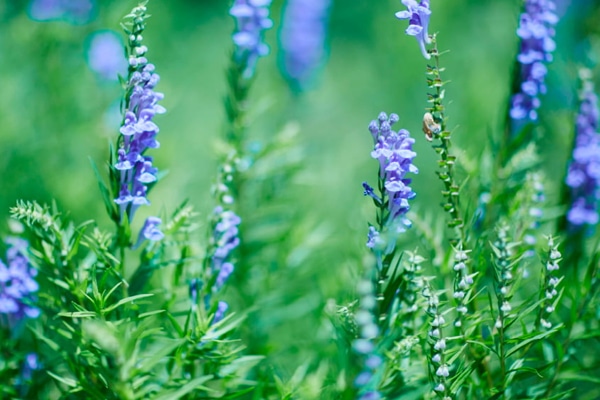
x=53 y=111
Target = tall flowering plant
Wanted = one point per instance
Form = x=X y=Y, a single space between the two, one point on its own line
x=493 y=295
x=583 y=176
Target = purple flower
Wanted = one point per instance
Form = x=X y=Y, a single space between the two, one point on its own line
x=370 y=395
x=394 y=152
x=150 y=231
x=222 y=308
x=372 y=238
x=73 y=11
x=17 y=283
x=418 y=22
x=225 y=239
x=30 y=365
x=583 y=176
x=303 y=38
x=252 y=18
x=224 y=272
x=105 y=55
x=138 y=133
x=536 y=30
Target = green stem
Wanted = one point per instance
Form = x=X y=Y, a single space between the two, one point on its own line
x=447 y=161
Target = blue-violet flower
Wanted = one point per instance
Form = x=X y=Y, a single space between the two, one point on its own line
x=536 y=30
x=17 y=283
x=584 y=171
x=394 y=152
x=138 y=132
x=222 y=308
x=418 y=22
x=105 y=55
x=225 y=239
x=73 y=11
x=303 y=38
x=252 y=18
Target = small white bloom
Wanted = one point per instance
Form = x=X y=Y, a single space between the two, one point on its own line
x=506 y=307
x=552 y=266
x=545 y=324
x=549 y=309
x=459 y=295
x=436 y=358
x=440 y=344
x=460 y=255
x=504 y=290
x=498 y=323
x=438 y=320
x=443 y=371
x=435 y=333
x=462 y=309
x=439 y=388
x=459 y=266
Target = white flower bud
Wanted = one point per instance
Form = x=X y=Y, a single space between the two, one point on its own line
x=436 y=358
x=545 y=324
x=459 y=266
x=440 y=344
x=552 y=266
x=443 y=371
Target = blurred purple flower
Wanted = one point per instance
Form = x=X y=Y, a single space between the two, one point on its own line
x=138 y=135
x=583 y=176
x=150 y=231
x=30 y=365
x=394 y=152
x=222 y=308
x=536 y=30
x=105 y=55
x=225 y=239
x=418 y=22
x=303 y=33
x=252 y=18
x=73 y=11
x=372 y=237
x=17 y=283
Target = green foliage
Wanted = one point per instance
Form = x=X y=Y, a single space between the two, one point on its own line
x=477 y=297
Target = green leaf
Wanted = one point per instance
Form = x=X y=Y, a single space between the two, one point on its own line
x=166 y=348
x=125 y=301
x=107 y=198
x=578 y=376
x=185 y=389
x=67 y=381
x=526 y=342
x=77 y=314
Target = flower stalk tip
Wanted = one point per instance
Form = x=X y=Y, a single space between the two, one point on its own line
x=418 y=15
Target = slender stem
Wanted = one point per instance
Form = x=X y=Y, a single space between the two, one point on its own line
x=447 y=161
